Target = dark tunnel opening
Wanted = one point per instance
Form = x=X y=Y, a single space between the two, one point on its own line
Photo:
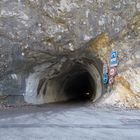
x=80 y=86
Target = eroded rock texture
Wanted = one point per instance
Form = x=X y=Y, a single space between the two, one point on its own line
x=40 y=35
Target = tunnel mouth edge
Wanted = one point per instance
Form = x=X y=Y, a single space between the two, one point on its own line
x=55 y=86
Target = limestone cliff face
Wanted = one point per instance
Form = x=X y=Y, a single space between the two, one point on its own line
x=126 y=91
x=45 y=33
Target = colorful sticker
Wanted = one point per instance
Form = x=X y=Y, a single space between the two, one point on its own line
x=111 y=80
x=114 y=61
x=105 y=78
x=112 y=71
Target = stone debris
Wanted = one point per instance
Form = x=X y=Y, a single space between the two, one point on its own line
x=123 y=94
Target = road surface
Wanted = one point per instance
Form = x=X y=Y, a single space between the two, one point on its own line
x=71 y=121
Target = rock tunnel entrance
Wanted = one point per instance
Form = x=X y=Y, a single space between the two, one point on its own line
x=76 y=81
x=80 y=85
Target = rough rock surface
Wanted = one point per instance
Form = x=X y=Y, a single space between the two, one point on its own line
x=36 y=32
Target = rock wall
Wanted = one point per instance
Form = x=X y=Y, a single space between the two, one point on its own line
x=45 y=33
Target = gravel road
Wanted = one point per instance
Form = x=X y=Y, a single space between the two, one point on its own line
x=71 y=121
